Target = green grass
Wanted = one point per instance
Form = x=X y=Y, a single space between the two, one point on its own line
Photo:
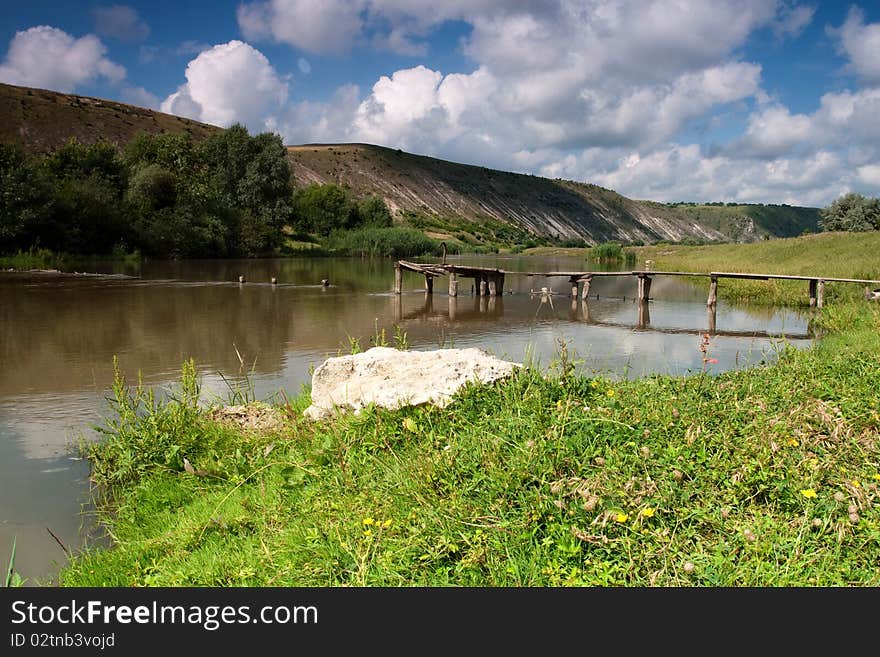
x=762 y=477
x=836 y=255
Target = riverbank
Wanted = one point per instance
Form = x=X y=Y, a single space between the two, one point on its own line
x=763 y=477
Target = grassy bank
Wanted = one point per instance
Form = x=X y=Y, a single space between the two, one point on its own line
x=765 y=477
x=838 y=255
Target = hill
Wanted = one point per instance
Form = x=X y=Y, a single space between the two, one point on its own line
x=41 y=121
x=438 y=196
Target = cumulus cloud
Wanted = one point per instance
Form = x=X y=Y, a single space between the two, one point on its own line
x=327 y=27
x=50 y=58
x=861 y=43
x=120 y=22
x=215 y=91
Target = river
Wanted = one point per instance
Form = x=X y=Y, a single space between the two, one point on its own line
x=60 y=333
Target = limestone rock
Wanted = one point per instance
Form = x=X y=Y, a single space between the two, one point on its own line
x=391 y=378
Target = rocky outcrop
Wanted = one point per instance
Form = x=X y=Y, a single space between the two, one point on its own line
x=391 y=378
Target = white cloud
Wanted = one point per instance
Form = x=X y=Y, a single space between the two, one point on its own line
x=214 y=92
x=861 y=43
x=792 y=20
x=140 y=97
x=870 y=175
x=327 y=27
x=304 y=66
x=774 y=132
x=120 y=22
x=50 y=58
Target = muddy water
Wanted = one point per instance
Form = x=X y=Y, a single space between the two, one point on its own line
x=59 y=333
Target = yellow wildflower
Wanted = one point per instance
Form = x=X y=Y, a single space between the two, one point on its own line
x=368 y=532
x=387 y=523
x=610 y=392
x=621 y=517
x=594 y=383
x=808 y=492
x=369 y=521
x=648 y=512
x=793 y=442
x=877 y=477
x=856 y=484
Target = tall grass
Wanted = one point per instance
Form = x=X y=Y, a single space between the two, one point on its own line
x=12 y=578
x=611 y=253
x=393 y=242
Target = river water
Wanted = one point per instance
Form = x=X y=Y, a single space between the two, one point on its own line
x=59 y=334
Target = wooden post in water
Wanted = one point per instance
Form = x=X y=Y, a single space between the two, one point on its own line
x=644 y=288
x=493 y=285
x=574 y=287
x=398 y=278
x=711 y=312
x=644 y=314
x=585 y=292
x=813 y=286
x=500 y=284
x=429 y=284
x=713 y=292
x=453 y=284
x=483 y=286
x=820 y=294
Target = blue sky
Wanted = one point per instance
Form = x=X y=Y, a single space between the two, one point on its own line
x=748 y=100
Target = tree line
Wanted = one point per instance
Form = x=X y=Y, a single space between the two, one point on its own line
x=165 y=196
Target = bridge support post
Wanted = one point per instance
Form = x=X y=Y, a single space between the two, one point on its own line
x=483 y=286
x=500 y=284
x=813 y=285
x=398 y=278
x=644 y=314
x=574 y=287
x=429 y=284
x=820 y=294
x=713 y=292
x=644 y=288
x=453 y=284
x=493 y=285
x=585 y=291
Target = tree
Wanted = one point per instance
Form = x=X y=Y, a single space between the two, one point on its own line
x=25 y=199
x=373 y=213
x=851 y=212
x=324 y=208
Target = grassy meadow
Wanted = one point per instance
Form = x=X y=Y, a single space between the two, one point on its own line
x=763 y=477
x=836 y=255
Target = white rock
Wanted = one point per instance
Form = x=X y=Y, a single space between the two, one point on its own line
x=391 y=378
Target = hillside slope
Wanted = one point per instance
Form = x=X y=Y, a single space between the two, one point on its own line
x=41 y=121
x=543 y=206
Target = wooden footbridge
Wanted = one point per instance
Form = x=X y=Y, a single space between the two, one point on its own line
x=490 y=281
